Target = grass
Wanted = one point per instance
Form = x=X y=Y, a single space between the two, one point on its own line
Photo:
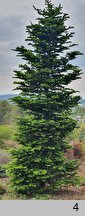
x=6 y=132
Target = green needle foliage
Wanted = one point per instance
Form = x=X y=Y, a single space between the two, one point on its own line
x=39 y=164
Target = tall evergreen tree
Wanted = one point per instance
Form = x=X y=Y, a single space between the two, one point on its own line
x=39 y=163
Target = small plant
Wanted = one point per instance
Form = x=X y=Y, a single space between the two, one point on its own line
x=2 y=189
x=2 y=171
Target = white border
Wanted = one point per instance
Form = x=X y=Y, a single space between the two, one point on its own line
x=41 y=208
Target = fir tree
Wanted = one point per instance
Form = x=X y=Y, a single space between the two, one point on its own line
x=39 y=163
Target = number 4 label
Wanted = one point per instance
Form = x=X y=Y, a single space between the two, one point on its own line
x=76 y=207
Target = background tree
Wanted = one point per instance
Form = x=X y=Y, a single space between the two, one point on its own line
x=39 y=163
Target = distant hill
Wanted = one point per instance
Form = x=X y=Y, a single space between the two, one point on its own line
x=7 y=96
x=82 y=102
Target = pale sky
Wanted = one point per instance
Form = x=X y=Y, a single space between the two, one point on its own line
x=14 y=16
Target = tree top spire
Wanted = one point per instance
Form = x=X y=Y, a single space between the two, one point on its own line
x=47 y=1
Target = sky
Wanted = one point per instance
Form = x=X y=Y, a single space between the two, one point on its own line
x=14 y=16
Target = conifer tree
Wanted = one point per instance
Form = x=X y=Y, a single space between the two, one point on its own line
x=39 y=163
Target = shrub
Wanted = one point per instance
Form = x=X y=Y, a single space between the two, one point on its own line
x=4 y=157
x=2 y=171
x=77 y=150
x=6 y=133
x=2 y=189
